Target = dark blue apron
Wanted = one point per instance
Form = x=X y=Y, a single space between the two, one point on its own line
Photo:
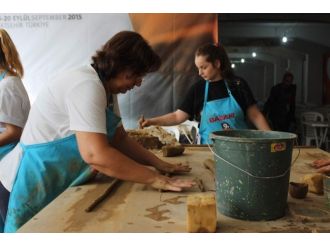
x=220 y=114
x=45 y=171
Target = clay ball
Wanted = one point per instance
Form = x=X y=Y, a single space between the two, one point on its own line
x=298 y=190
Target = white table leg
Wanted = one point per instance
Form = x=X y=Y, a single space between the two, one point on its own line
x=324 y=136
x=316 y=139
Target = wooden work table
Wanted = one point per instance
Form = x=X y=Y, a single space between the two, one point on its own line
x=139 y=208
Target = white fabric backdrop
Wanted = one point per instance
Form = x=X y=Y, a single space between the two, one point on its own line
x=51 y=43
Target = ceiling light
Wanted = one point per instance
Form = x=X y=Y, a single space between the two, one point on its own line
x=254 y=54
x=284 y=39
x=242 y=60
x=233 y=65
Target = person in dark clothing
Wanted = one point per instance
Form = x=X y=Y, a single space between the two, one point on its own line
x=280 y=106
x=220 y=101
x=193 y=102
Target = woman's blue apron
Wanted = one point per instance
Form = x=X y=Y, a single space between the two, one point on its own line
x=45 y=171
x=6 y=149
x=3 y=151
x=220 y=114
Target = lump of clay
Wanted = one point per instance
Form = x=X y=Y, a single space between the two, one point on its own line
x=146 y=140
x=172 y=150
x=153 y=137
x=201 y=213
x=315 y=183
x=298 y=190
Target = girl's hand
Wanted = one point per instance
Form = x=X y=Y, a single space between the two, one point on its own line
x=143 y=122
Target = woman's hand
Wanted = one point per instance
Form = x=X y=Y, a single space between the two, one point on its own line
x=322 y=165
x=143 y=122
x=169 y=168
x=172 y=184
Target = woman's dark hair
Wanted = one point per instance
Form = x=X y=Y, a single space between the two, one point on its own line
x=217 y=52
x=125 y=51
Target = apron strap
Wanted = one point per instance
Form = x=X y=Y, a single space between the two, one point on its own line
x=206 y=93
x=3 y=74
x=23 y=146
x=227 y=88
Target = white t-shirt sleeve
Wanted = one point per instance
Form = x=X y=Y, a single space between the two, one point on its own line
x=86 y=105
x=11 y=108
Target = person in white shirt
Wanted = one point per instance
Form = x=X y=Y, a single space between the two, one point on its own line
x=14 y=105
x=14 y=100
x=74 y=129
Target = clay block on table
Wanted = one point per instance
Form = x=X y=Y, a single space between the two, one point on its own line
x=172 y=150
x=315 y=183
x=201 y=213
x=149 y=142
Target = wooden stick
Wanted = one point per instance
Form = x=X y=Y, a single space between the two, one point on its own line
x=142 y=120
x=103 y=196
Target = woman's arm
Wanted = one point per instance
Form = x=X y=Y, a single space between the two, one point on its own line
x=257 y=118
x=11 y=134
x=96 y=151
x=173 y=118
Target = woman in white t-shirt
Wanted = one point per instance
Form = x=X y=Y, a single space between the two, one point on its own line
x=14 y=105
x=74 y=128
x=14 y=101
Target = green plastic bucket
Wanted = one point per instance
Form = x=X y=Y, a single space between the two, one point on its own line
x=252 y=172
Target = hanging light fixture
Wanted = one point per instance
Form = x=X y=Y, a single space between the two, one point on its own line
x=284 y=39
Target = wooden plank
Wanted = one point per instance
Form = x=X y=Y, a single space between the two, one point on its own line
x=139 y=208
x=102 y=197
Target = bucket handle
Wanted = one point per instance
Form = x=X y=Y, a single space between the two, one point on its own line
x=250 y=174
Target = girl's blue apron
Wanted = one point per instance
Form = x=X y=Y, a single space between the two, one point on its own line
x=220 y=114
x=45 y=171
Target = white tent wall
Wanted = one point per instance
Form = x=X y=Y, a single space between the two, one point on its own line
x=52 y=43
